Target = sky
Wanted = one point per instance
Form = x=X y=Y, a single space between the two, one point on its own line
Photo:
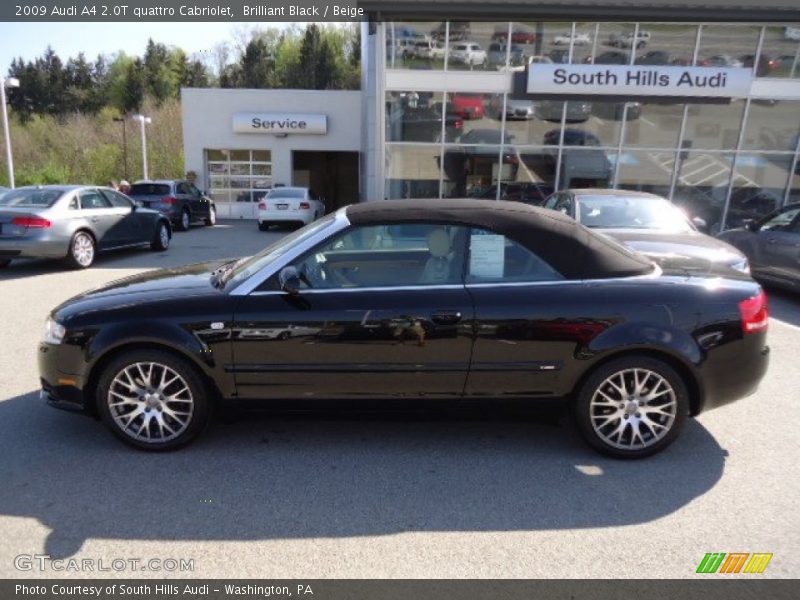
x=29 y=40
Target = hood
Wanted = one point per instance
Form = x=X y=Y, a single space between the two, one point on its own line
x=152 y=286
x=688 y=245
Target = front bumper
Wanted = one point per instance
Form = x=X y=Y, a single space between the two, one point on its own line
x=60 y=388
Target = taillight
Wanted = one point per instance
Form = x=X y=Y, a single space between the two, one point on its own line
x=755 y=314
x=262 y=206
x=32 y=222
x=459 y=124
x=304 y=206
x=169 y=200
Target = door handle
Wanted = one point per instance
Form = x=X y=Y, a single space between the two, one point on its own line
x=446 y=317
x=772 y=241
x=95 y=219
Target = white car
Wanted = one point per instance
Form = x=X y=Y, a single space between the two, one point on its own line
x=629 y=40
x=580 y=39
x=791 y=33
x=431 y=49
x=468 y=53
x=295 y=205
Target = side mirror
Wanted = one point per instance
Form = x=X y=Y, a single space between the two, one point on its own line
x=751 y=225
x=700 y=224
x=289 y=280
x=137 y=204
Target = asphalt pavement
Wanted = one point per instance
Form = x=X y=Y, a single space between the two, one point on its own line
x=394 y=496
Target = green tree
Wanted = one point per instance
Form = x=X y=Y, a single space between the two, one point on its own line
x=134 y=87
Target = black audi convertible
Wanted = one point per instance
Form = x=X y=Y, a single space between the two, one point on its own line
x=402 y=303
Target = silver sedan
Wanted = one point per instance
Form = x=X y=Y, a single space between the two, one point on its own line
x=74 y=223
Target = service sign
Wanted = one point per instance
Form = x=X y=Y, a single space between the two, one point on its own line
x=639 y=80
x=280 y=123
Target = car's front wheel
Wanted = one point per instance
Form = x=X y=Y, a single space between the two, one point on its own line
x=153 y=400
x=160 y=241
x=632 y=407
x=211 y=219
x=81 y=251
x=185 y=220
x=263 y=226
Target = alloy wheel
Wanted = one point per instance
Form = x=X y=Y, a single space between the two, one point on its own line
x=150 y=402
x=163 y=235
x=633 y=409
x=185 y=221
x=83 y=249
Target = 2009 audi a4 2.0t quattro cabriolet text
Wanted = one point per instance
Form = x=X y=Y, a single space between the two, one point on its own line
x=397 y=303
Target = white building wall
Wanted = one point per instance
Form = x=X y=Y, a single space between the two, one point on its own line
x=207 y=116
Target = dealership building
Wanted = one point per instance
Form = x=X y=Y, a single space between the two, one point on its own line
x=698 y=101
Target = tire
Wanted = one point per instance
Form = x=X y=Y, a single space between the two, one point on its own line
x=211 y=219
x=263 y=226
x=161 y=237
x=284 y=335
x=606 y=417
x=82 y=251
x=184 y=222
x=121 y=391
x=4 y=262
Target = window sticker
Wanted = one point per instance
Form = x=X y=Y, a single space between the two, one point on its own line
x=486 y=255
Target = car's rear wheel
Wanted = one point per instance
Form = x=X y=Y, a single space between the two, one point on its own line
x=211 y=219
x=263 y=226
x=82 y=251
x=632 y=407
x=185 y=220
x=153 y=400
x=161 y=237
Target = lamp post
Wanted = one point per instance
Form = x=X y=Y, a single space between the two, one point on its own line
x=124 y=144
x=142 y=122
x=10 y=82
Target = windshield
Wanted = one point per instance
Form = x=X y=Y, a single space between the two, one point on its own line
x=619 y=212
x=257 y=262
x=30 y=197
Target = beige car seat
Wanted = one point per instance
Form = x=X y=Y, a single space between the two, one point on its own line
x=437 y=268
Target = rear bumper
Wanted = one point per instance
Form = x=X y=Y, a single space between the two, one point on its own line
x=285 y=216
x=33 y=247
x=733 y=372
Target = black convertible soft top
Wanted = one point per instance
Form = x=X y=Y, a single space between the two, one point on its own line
x=569 y=247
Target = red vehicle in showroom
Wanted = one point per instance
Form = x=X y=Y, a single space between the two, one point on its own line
x=468 y=106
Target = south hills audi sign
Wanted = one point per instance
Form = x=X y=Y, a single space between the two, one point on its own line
x=280 y=123
x=621 y=80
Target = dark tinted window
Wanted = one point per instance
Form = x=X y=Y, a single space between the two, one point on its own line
x=149 y=189
x=183 y=188
x=117 y=200
x=30 y=197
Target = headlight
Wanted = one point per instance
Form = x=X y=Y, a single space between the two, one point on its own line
x=742 y=265
x=53 y=331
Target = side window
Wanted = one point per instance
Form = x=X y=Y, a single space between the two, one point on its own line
x=193 y=190
x=73 y=203
x=93 y=200
x=782 y=221
x=551 y=201
x=117 y=200
x=393 y=255
x=494 y=258
x=182 y=188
